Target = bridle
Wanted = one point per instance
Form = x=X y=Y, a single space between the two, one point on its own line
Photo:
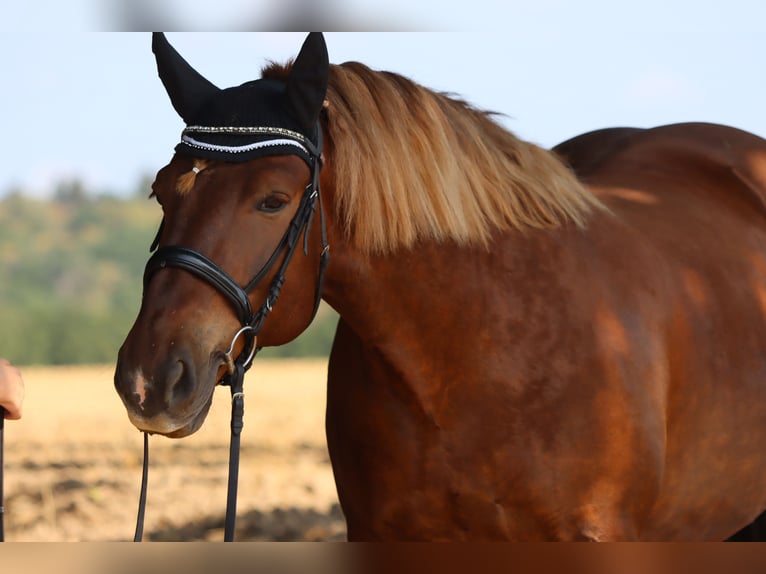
x=251 y=322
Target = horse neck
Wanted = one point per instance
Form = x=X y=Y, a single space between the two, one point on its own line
x=374 y=294
x=431 y=293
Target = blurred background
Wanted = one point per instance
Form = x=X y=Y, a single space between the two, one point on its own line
x=86 y=122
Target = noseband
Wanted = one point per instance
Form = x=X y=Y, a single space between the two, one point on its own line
x=251 y=322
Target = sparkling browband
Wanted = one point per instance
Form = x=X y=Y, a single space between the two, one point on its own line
x=245 y=130
x=242 y=148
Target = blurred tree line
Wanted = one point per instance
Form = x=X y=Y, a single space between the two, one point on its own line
x=71 y=277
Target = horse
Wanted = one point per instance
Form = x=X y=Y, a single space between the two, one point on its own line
x=533 y=344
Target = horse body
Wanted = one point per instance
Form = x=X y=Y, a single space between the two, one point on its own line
x=483 y=408
x=591 y=365
x=696 y=192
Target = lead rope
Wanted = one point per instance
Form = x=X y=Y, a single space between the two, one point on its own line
x=237 y=422
x=142 y=498
x=2 y=466
x=235 y=380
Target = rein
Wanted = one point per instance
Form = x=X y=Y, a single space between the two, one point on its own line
x=252 y=322
x=2 y=466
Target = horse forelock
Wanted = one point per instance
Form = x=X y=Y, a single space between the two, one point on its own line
x=186 y=180
x=410 y=164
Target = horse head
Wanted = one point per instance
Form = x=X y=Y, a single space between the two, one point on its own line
x=238 y=200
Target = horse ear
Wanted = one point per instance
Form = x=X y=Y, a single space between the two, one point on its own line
x=307 y=84
x=187 y=89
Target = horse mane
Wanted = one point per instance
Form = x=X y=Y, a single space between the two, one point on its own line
x=410 y=164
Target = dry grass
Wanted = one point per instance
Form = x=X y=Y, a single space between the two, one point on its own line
x=73 y=462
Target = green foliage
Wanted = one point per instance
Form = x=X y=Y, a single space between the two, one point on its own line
x=70 y=278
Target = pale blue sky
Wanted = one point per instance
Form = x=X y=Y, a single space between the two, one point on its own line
x=83 y=104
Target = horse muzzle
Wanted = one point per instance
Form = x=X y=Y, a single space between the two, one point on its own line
x=171 y=399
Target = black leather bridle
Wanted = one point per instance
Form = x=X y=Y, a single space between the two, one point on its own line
x=251 y=322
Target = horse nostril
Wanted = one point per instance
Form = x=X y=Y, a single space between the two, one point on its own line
x=179 y=383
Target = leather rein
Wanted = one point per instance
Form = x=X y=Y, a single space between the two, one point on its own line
x=2 y=466
x=252 y=322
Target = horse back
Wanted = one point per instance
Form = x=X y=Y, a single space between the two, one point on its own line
x=737 y=159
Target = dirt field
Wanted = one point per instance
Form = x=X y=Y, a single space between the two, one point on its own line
x=73 y=463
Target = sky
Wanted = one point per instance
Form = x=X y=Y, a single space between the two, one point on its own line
x=81 y=99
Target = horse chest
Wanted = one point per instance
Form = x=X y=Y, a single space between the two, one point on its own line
x=402 y=477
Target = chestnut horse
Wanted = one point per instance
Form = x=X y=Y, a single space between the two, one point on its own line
x=532 y=345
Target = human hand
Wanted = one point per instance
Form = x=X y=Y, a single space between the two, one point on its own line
x=11 y=390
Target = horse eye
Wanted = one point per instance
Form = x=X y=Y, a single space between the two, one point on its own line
x=271 y=204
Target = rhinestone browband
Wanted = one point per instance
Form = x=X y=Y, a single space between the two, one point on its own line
x=243 y=148
x=245 y=130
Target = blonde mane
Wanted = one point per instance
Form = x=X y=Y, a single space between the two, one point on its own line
x=411 y=165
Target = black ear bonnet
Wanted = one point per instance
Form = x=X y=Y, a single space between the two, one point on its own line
x=259 y=118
